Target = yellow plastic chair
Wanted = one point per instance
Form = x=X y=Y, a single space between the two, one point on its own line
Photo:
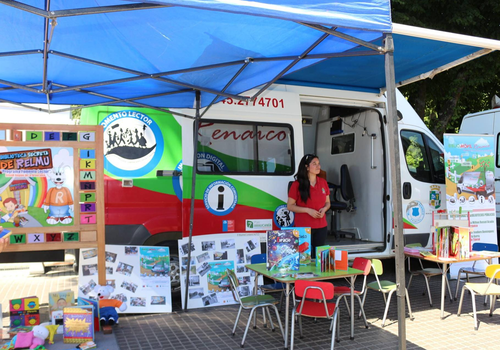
x=384 y=287
x=252 y=303
x=473 y=270
x=489 y=288
x=427 y=272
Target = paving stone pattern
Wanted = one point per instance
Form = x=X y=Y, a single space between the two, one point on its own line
x=210 y=328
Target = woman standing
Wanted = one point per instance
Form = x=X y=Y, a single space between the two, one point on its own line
x=309 y=199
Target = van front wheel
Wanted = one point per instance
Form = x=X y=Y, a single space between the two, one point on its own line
x=459 y=190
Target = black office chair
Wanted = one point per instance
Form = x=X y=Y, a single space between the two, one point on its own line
x=338 y=206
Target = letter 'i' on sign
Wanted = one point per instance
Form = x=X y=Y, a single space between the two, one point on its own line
x=87 y=153
x=18 y=239
x=52 y=136
x=36 y=238
x=34 y=136
x=88 y=219
x=53 y=237
x=87 y=175
x=69 y=136
x=71 y=237
x=87 y=197
x=87 y=136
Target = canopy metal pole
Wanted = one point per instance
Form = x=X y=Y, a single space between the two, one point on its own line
x=45 y=48
x=392 y=123
x=193 y=186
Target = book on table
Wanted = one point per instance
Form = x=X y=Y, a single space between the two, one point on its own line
x=78 y=324
x=331 y=259
x=283 y=250
x=57 y=302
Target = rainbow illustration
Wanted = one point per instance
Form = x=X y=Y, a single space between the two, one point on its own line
x=38 y=192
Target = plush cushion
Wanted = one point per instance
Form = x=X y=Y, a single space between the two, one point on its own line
x=23 y=340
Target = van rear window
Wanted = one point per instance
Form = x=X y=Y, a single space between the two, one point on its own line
x=342 y=144
x=245 y=148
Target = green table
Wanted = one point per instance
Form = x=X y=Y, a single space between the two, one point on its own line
x=261 y=269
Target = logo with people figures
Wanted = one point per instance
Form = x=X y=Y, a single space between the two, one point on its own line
x=283 y=217
x=133 y=143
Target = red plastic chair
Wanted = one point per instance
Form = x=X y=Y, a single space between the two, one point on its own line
x=322 y=291
x=343 y=292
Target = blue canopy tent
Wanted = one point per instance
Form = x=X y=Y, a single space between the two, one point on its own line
x=189 y=53
x=112 y=52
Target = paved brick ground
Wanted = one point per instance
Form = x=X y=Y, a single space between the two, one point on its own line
x=211 y=328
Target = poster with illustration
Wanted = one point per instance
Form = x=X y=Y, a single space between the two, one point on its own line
x=36 y=186
x=139 y=275
x=470 y=184
x=211 y=256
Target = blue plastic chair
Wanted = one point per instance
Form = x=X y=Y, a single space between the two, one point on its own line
x=272 y=287
x=473 y=270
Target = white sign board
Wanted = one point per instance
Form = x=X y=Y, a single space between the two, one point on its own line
x=211 y=255
x=138 y=274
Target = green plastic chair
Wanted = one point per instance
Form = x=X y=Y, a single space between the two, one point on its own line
x=252 y=303
x=489 y=288
x=384 y=287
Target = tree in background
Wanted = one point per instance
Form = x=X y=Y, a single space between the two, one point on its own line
x=76 y=114
x=443 y=101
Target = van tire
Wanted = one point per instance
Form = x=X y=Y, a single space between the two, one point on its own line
x=175 y=273
x=459 y=190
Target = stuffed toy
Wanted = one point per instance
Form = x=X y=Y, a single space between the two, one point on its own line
x=40 y=333
x=107 y=307
x=32 y=339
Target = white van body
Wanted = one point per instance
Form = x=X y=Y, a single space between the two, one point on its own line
x=488 y=123
x=313 y=114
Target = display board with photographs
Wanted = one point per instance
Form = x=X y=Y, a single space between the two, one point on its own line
x=211 y=255
x=139 y=276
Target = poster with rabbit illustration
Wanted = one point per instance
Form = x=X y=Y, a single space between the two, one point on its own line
x=52 y=188
x=36 y=187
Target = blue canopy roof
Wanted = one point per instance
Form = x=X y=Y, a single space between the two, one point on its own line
x=142 y=54
x=366 y=73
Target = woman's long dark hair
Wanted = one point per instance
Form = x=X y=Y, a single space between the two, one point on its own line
x=302 y=177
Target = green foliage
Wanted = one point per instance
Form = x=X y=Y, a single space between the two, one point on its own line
x=414 y=153
x=76 y=113
x=443 y=101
